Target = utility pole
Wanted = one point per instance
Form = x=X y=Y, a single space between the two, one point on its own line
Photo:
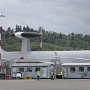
x=1 y=43
x=0 y=35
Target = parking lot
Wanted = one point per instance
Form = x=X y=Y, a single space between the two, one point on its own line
x=45 y=84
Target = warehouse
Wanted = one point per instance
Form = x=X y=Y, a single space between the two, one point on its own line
x=29 y=69
x=76 y=70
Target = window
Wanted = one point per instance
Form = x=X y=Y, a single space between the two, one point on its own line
x=36 y=69
x=72 y=69
x=29 y=69
x=81 y=69
x=21 y=69
x=88 y=68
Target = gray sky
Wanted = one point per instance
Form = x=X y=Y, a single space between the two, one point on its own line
x=63 y=16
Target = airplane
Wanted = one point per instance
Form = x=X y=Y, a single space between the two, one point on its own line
x=76 y=56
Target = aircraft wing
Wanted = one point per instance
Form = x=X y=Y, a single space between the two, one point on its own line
x=60 y=57
x=13 y=60
x=44 y=61
x=5 y=59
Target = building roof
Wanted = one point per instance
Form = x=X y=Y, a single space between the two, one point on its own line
x=76 y=64
x=31 y=64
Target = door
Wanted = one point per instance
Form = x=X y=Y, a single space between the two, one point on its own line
x=44 y=72
x=65 y=71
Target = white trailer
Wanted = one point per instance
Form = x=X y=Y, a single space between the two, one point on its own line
x=76 y=70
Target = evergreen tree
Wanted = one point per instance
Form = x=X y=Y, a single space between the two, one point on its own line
x=60 y=35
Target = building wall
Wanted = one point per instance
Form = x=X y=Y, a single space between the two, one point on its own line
x=76 y=73
x=45 y=71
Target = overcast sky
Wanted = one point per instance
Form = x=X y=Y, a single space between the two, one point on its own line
x=63 y=16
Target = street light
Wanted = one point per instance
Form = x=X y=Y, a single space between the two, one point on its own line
x=2 y=15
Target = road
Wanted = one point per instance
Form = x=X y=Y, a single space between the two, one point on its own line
x=45 y=84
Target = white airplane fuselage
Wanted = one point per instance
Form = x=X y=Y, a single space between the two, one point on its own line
x=65 y=56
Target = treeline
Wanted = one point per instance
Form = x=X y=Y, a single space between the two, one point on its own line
x=51 y=40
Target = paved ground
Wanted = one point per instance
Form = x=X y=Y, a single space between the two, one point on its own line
x=44 y=84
